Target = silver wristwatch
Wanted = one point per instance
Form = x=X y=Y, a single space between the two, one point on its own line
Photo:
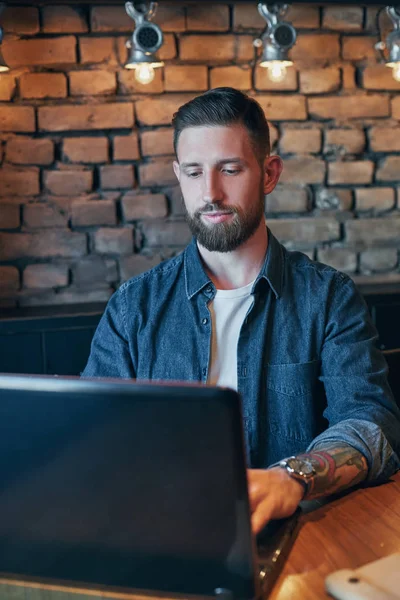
x=300 y=469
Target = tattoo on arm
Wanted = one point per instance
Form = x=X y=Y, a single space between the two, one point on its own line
x=337 y=468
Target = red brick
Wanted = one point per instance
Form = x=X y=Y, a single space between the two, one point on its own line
x=7 y=87
x=385 y=139
x=359 y=48
x=183 y=78
x=115 y=177
x=110 y=18
x=320 y=81
x=349 y=107
x=96 y=50
x=158 y=142
x=85 y=214
x=233 y=76
x=94 y=271
x=113 y=241
x=379 y=77
x=333 y=199
x=63 y=19
x=92 y=83
x=50 y=51
x=17 y=118
x=44 y=215
x=201 y=18
x=144 y=206
x=27 y=151
x=354 y=172
x=303 y=169
x=284 y=108
x=348 y=77
x=206 y=48
x=9 y=277
x=248 y=17
x=129 y=85
x=69 y=182
x=42 y=244
x=313 y=47
x=395 y=105
x=168 y=49
x=159 y=111
x=157 y=173
x=301 y=141
x=43 y=85
x=85 y=149
x=373 y=231
x=244 y=49
x=287 y=199
x=19 y=182
x=9 y=216
x=166 y=233
x=343 y=18
x=339 y=258
x=131 y=266
x=376 y=199
x=99 y=116
x=389 y=169
x=263 y=82
x=344 y=141
x=126 y=147
x=65 y=296
x=306 y=230
x=21 y=21
x=45 y=276
x=171 y=18
x=378 y=259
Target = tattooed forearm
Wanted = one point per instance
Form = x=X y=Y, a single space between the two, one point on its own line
x=337 y=468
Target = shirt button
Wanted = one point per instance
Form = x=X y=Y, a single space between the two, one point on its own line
x=209 y=289
x=205 y=321
x=204 y=371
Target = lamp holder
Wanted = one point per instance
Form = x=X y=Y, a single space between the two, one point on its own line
x=147 y=37
x=279 y=35
x=392 y=42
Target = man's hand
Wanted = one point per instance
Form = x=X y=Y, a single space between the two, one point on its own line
x=273 y=494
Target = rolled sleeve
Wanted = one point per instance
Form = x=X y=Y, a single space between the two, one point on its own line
x=361 y=410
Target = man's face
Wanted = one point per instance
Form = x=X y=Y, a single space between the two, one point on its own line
x=223 y=185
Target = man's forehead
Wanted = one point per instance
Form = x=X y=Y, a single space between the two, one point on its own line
x=213 y=143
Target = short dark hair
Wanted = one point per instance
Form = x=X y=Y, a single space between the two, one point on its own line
x=225 y=106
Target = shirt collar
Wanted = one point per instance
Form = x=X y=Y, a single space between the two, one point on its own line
x=272 y=270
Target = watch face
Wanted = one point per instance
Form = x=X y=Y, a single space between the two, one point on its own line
x=301 y=466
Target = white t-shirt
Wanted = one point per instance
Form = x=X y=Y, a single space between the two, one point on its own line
x=228 y=311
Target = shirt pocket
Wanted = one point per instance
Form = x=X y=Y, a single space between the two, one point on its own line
x=293 y=398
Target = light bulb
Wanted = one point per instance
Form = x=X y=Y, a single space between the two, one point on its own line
x=396 y=71
x=144 y=73
x=277 y=71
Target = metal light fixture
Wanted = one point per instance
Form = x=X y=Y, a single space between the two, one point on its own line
x=392 y=43
x=3 y=65
x=276 y=40
x=146 y=40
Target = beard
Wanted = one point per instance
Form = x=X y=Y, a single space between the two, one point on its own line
x=229 y=235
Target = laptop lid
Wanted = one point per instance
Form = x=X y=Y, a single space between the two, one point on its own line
x=125 y=485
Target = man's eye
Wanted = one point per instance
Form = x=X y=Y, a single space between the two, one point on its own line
x=193 y=174
x=232 y=171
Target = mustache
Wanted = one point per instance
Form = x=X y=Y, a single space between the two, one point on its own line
x=217 y=208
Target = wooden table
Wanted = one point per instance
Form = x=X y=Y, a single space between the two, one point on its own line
x=345 y=533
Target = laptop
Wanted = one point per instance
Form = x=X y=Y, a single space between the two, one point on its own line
x=129 y=486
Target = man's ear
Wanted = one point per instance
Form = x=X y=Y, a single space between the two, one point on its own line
x=273 y=167
x=177 y=170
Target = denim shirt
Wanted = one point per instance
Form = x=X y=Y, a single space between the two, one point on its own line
x=309 y=372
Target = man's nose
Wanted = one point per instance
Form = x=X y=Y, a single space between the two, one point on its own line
x=212 y=190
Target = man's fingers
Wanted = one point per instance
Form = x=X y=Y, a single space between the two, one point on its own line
x=261 y=515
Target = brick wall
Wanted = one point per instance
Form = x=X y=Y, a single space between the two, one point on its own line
x=87 y=193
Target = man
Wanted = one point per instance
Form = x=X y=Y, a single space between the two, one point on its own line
x=237 y=309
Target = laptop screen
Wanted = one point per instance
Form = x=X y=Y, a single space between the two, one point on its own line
x=125 y=485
